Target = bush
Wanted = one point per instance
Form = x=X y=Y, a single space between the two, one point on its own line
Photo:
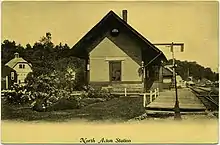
x=39 y=106
x=15 y=97
x=64 y=104
x=97 y=93
x=88 y=101
x=53 y=91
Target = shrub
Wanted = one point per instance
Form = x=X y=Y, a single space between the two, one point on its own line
x=98 y=93
x=52 y=91
x=88 y=101
x=17 y=96
x=39 y=106
x=64 y=104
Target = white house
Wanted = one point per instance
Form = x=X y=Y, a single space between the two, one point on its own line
x=21 y=66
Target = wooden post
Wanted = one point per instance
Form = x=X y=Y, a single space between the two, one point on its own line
x=6 y=82
x=143 y=76
x=151 y=96
x=144 y=100
x=158 y=92
x=125 y=92
x=87 y=70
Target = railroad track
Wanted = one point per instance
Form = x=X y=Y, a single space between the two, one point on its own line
x=208 y=97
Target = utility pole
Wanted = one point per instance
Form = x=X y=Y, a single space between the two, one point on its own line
x=177 y=115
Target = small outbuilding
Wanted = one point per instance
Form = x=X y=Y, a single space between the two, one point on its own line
x=8 y=77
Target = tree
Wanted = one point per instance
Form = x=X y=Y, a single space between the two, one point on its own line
x=28 y=47
x=8 y=49
x=216 y=76
x=186 y=69
x=46 y=41
x=43 y=55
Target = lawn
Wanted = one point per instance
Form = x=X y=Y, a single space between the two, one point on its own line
x=117 y=109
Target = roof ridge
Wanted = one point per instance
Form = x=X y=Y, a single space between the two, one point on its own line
x=13 y=62
x=138 y=33
x=83 y=40
x=95 y=26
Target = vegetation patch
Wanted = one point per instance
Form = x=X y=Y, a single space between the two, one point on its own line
x=117 y=109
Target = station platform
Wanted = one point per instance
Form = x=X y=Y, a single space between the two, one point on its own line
x=165 y=102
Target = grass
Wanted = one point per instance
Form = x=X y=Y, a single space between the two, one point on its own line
x=117 y=109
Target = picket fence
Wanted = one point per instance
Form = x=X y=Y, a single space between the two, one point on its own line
x=152 y=95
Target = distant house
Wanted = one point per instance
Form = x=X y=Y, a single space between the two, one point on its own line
x=166 y=74
x=165 y=79
x=115 y=53
x=8 y=77
x=21 y=66
x=204 y=82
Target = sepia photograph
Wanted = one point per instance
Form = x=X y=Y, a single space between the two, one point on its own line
x=100 y=72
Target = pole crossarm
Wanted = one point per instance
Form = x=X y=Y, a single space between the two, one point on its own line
x=172 y=44
x=181 y=44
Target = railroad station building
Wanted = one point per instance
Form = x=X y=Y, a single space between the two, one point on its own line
x=117 y=55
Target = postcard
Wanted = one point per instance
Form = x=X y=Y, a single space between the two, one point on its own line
x=109 y=72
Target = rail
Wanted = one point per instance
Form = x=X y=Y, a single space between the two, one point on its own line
x=206 y=97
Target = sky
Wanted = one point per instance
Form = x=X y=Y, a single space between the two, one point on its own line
x=193 y=23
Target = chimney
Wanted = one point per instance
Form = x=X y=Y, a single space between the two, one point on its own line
x=16 y=55
x=124 y=15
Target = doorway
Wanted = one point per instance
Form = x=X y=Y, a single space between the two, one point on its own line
x=115 y=71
